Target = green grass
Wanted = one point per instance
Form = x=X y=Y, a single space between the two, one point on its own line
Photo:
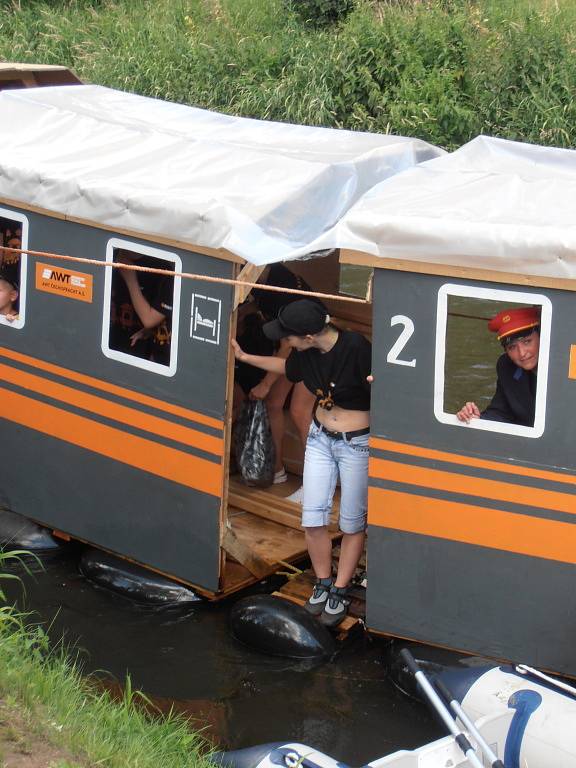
x=442 y=70
x=47 y=687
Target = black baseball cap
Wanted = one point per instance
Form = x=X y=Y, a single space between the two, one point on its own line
x=299 y=318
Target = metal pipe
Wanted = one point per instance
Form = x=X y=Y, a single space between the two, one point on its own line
x=441 y=709
x=468 y=724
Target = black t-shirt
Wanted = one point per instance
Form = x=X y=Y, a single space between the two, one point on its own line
x=162 y=334
x=337 y=376
x=252 y=341
x=269 y=303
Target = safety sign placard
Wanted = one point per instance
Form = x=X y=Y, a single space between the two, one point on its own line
x=206 y=314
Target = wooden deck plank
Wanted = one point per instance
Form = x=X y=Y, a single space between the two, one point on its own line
x=236 y=577
x=288 y=517
x=265 y=532
x=244 y=554
x=286 y=513
x=269 y=504
x=268 y=540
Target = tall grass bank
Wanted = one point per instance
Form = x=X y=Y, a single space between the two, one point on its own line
x=441 y=70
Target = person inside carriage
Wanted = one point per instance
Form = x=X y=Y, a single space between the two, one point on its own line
x=151 y=298
x=514 y=401
x=274 y=388
x=8 y=297
x=10 y=238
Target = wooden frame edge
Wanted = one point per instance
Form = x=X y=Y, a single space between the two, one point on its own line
x=218 y=253
x=359 y=258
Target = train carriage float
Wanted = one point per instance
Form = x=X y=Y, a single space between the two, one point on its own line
x=471 y=527
x=125 y=444
x=472 y=537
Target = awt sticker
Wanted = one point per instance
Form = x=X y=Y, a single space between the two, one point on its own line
x=64 y=282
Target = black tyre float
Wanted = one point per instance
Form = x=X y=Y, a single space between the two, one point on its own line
x=133 y=581
x=280 y=628
x=18 y=532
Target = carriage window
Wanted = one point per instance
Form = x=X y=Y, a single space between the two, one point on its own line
x=141 y=309
x=500 y=371
x=13 y=234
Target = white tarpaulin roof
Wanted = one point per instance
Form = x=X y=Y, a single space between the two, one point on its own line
x=492 y=204
x=265 y=191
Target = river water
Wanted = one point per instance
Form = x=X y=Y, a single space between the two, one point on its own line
x=347 y=707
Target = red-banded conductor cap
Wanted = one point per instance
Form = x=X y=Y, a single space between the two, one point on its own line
x=514 y=320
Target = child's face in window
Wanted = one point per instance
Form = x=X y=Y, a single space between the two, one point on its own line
x=8 y=295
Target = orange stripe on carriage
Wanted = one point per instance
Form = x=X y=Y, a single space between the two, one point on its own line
x=147 y=455
x=572 y=365
x=468 y=524
x=453 y=482
x=121 y=413
x=469 y=461
x=113 y=389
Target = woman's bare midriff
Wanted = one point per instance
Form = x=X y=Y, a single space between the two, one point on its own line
x=342 y=420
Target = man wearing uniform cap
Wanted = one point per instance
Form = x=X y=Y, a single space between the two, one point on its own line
x=518 y=330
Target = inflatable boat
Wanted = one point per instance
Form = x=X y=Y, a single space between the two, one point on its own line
x=502 y=717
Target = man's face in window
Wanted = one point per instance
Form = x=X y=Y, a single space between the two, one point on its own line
x=524 y=351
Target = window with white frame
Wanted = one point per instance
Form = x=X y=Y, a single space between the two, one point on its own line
x=472 y=366
x=141 y=307
x=13 y=239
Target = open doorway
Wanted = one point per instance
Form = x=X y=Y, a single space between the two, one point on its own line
x=264 y=523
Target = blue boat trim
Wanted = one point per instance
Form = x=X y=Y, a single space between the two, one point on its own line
x=525 y=703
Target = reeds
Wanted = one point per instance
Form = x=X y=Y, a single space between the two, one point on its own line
x=442 y=70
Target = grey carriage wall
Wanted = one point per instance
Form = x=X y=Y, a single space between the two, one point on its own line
x=106 y=447
x=472 y=536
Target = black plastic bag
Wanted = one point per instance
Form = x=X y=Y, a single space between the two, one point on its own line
x=253 y=446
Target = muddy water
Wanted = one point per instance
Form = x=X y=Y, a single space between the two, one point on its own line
x=347 y=708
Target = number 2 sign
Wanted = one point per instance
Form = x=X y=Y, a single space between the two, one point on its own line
x=401 y=341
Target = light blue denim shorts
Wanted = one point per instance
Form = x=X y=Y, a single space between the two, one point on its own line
x=327 y=459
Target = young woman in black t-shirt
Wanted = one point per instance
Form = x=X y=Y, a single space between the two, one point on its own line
x=335 y=366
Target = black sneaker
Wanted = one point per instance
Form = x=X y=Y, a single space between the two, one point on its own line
x=317 y=600
x=336 y=607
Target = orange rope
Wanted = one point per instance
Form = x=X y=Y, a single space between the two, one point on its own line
x=188 y=275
